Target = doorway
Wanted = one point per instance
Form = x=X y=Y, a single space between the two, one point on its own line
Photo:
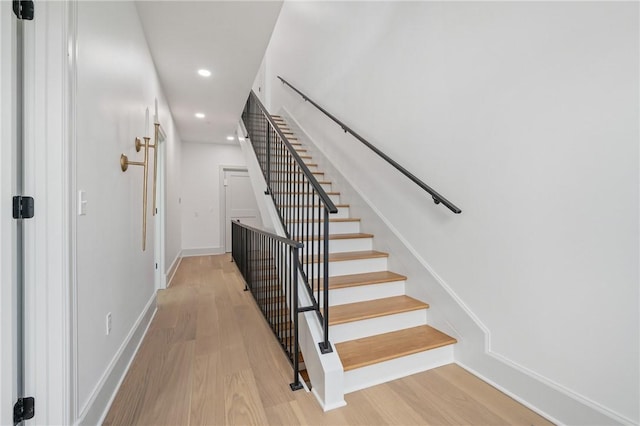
x=239 y=202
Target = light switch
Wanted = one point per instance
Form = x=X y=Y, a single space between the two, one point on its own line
x=82 y=203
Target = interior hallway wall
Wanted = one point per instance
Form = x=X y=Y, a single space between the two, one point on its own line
x=201 y=229
x=116 y=82
x=524 y=114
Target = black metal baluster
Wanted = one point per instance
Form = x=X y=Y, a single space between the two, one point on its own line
x=296 y=366
x=325 y=347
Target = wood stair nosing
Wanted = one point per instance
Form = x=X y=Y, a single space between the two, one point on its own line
x=356 y=280
x=351 y=255
x=340 y=206
x=306 y=193
x=351 y=236
x=350 y=312
x=335 y=220
x=387 y=346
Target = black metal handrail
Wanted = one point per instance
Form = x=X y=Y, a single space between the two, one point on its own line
x=437 y=198
x=302 y=204
x=269 y=265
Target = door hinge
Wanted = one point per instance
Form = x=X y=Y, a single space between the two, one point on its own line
x=156 y=265
x=24 y=409
x=23 y=9
x=23 y=207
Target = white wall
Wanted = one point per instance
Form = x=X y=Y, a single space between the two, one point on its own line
x=116 y=81
x=201 y=195
x=525 y=115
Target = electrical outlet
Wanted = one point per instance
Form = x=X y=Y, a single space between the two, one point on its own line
x=108 y=324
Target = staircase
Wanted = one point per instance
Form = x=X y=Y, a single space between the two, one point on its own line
x=379 y=332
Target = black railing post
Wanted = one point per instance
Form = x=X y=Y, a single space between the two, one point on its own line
x=296 y=385
x=325 y=346
x=268 y=176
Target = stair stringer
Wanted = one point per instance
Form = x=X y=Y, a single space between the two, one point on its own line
x=325 y=370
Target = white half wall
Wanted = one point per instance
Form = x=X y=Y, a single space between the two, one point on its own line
x=526 y=116
x=201 y=195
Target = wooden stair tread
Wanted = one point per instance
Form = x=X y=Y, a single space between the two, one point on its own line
x=352 y=236
x=350 y=312
x=338 y=219
x=305 y=193
x=351 y=255
x=315 y=205
x=321 y=182
x=383 y=347
x=292 y=162
x=367 y=278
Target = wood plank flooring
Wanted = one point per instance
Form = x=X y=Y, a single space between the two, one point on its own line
x=209 y=358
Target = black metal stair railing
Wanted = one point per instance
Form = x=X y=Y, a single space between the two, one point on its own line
x=302 y=204
x=269 y=266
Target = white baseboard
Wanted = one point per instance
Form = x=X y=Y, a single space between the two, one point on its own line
x=173 y=268
x=103 y=394
x=202 y=251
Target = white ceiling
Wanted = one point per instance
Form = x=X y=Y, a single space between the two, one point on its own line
x=227 y=38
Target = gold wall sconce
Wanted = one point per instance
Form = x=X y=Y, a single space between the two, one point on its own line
x=139 y=144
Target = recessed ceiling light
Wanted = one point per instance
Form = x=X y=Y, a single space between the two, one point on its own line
x=230 y=138
x=240 y=138
x=199 y=115
x=204 y=73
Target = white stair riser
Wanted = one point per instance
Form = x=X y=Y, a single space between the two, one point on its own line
x=303 y=199
x=343 y=212
x=283 y=166
x=383 y=372
x=334 y=228
x=341 y=246
x=363 y=293
x=356 y=266
x=325 y=186
x=351 y=244
x=359 y=266
x=369 y=327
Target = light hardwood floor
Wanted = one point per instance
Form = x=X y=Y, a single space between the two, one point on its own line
x=209 y=358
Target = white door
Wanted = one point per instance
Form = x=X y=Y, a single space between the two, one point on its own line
x=240 y=202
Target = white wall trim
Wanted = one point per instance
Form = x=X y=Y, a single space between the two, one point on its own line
x=7 y=227
x=98 y=404
x=202 y=251
x=557 y=386
x=510 y=394
x=487 y=351
x=171 y=272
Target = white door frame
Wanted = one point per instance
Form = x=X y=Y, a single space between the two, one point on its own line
x=8 y=394
x=223 y=202
x=49 y=139
x=160 y=276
